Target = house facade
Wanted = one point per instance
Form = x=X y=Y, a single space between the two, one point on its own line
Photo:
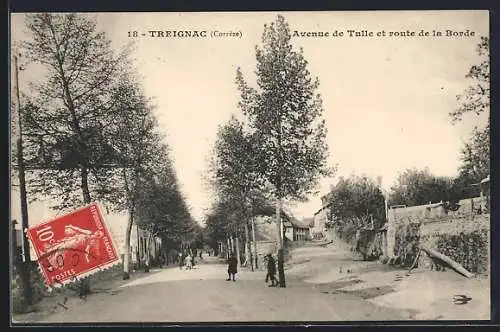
x=483 y=205
x=139 y=246
x=319 y=230
x=296 y=231
x=322 y=220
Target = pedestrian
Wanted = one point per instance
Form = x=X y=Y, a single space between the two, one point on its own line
x=180 y=260
x=232 y=267
x=188 y=262
x=164 y=258
x=271 y=270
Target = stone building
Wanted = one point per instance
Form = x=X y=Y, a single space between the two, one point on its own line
x=319 y=230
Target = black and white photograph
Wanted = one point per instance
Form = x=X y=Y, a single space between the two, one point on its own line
x=297 y=167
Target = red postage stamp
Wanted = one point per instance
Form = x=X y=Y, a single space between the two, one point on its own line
x=73 y=246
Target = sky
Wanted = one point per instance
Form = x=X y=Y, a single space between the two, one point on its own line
x=386 y=99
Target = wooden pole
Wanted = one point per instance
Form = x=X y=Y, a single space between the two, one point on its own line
x=23 y=196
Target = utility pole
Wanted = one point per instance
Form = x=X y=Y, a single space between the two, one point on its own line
x=22 y=189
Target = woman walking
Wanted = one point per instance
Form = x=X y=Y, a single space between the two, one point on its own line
x=232 y=267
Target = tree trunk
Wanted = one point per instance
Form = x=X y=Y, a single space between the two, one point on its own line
x=281 y=268
x=148 y=253
x=254 y=244
x=85 y=185
x=85 y=283
x=228 y=251
x=248 y=253
x=138 y=248
x=131 y=204
x=457 y=267
x=237 y=242
x=126 y=257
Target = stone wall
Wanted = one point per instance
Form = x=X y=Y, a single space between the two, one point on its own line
x=462 y=235
x=466 y=240
x=429 y=216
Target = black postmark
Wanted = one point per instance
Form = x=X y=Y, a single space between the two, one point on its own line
x=68 y=262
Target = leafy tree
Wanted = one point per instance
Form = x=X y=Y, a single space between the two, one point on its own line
x=198 y=237
x=68 y=111
x=220 y=222
x=419 y=187
x=284 y=112
x=234 y=171
x=161 y=209
x=475 y=166
x=476 y=98
x=475 y=154
x=216 y=228
x=139 y=146
x=357 y=200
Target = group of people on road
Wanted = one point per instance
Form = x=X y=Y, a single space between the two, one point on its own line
x=232 y=269
x=187 y=259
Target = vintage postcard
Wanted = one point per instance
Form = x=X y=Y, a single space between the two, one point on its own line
x=299 y=167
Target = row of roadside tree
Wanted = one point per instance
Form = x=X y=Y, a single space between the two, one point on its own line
x=274 y=148
x=90 y=132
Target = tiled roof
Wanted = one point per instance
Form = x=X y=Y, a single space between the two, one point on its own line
x=292 y=220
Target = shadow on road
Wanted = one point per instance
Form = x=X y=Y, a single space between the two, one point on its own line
x=64 y=300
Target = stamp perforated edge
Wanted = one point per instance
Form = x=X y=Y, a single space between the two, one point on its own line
x=50 y=286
